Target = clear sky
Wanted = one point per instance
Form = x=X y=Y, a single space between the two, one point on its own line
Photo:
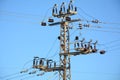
x=22 y=37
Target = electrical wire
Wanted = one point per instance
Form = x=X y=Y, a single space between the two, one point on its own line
x=22 y=75
x=85 y=13
x=16 y=77
x=116 y=28
x=46 y=14
x=6 y=76
x=106 y=31
x=28 y=77
x=84 y=19
x=96 y=73
x=97 y=19
x=25 y=14
x=112 y=47
x=26 y=63
x=19 y=21
x=73 y=32
x=94 y=28
x=20 y=15
x=111 y=42
x=51 y=48
x=55 y=54
x=52 y=76
x=111 y=23
x=55 y=77
x=25 y=70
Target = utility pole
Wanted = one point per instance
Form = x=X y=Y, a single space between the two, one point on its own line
x=64 y=67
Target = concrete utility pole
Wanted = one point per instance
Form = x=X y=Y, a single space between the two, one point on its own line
x=64 y=68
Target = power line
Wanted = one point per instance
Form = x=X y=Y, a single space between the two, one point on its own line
x=96 y=73
x=117 y=23
x=55 y=54
x=20 y=21
x=111 y=42
x=28 y=77
x=27 y=63
x=85 y=13
x=113 y=28
x=15 y=75
x=6 y=76
x=46 y=14
x=55 y=77
x=106 y=31
x=32 y=76
x=20 y=15
x=51 y=48
x=113 y=47
x=52 y=76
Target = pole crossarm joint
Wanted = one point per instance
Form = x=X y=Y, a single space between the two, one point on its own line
x=70 y=21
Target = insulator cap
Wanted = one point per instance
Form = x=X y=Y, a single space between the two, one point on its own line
x=86 y=25
x=76 y=38
x=76 y=9
x=36 y=57
x=80 y=26
x=102 y=52
x=68 y=19
x=58 y=37
x=43 y=23
x=94 y=50
x=50 y=20
x=95 y=21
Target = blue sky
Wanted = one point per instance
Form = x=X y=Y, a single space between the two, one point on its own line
x=22 y=37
